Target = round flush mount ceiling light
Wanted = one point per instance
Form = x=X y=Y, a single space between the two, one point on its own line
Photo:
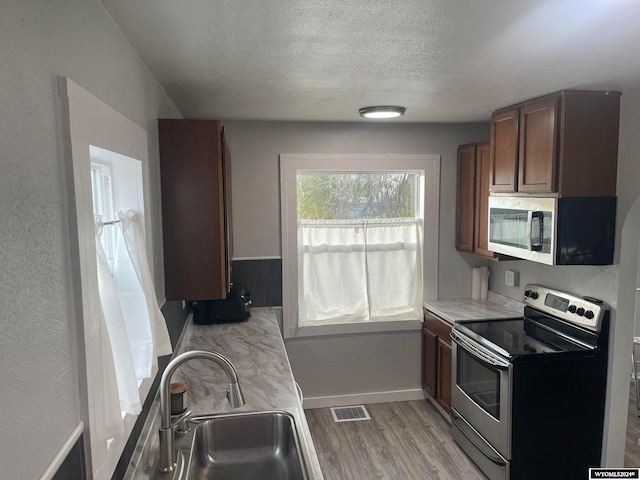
x=382 y=112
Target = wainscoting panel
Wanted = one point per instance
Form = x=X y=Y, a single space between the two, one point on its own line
x=262 y=278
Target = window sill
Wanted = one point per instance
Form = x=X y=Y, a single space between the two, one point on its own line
x=353 y=328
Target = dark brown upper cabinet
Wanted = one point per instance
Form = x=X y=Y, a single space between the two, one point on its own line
x=504 y=151
x=563 y=144
x=537 y=157
x=472 y=199
x=481 y=206
x=465 y=197
x=196 y=209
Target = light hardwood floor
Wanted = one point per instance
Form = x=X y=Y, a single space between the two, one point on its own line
x=402 y=441
x=632 y=450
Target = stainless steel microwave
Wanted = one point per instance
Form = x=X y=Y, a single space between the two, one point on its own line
x=554 y=231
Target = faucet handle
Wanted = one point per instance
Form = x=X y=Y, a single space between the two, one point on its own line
x=234 y=395
x=179 y=422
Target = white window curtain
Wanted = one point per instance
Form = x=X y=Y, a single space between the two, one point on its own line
x=124 y=397
x=359 y=270
x=137 y=332
x=146 y=326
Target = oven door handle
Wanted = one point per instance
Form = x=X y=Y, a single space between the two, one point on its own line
x=495 y=459
x=479 y=352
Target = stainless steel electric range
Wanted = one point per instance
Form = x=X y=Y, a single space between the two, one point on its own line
x=529 y=393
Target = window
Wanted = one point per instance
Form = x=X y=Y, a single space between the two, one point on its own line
x=355 y=254
x=102 y=194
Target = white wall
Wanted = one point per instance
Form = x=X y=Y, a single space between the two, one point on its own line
x=39 y=40
x=356 y=363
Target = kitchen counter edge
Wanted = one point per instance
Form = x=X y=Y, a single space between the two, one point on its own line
x=494 y=307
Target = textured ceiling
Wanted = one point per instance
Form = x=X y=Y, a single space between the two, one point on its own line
x=444 y=60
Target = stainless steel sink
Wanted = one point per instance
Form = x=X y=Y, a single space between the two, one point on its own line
x=246 y=446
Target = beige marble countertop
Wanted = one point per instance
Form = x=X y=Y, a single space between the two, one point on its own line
x=494 y=307
x=257 y=351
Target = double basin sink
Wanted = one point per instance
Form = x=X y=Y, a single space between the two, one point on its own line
x=242 y=446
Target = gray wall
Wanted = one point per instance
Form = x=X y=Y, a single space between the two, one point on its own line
x=40 y=40
x=357 y=363
x=255 y=149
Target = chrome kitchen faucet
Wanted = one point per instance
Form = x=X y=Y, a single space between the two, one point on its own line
x=234 y=394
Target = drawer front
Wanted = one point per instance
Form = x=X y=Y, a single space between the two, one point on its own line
x=438 y=326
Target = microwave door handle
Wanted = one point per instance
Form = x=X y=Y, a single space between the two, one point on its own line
x=529 y=222
x=538 y=232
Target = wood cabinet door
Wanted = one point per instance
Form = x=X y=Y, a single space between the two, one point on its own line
x=228 y=219
x=436 y=359
x=538 y=150
x=444 y=375
x=465 y=197
x=503 y=166
x=429 y=361
x=481 y=210
x=193 y=220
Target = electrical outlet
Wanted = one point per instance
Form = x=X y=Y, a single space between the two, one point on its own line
x=511 y=278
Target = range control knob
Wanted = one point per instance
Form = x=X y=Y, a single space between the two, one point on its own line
x=588 y=314
x=527 y=293
x=572 y=309
x=580 y=311
x=534 y=295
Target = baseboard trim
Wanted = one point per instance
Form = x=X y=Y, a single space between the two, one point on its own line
x=267 y=257
x=61 y=456
x=437 y=406
x=363 y=398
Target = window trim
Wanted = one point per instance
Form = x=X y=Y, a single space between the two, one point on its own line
x=427 y=164
x=90 y=122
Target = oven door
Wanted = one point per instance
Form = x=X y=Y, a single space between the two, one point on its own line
x=481 y=391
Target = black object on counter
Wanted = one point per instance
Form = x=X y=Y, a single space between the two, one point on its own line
x=234 y=308
x=178 y=393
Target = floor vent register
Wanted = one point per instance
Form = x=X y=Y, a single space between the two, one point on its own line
x=353 y=413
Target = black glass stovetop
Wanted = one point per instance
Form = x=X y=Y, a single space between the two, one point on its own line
x=519 y=337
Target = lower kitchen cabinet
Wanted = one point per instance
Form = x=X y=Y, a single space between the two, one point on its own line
x=429 y=361
x=443 y=395
x=436 y=359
